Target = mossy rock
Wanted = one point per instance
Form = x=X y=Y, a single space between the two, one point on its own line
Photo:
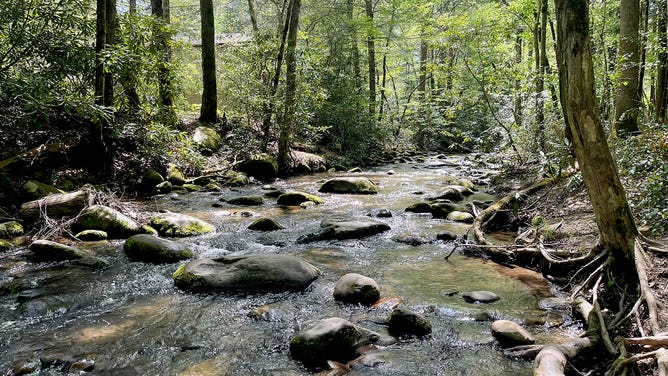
x=91 y=235
x=443 y=209
x=10 y=229
x=175 y=176
x=164 y=187
x=103 y=218
x=419 y=207
x=404 y=322
x=150 y=180
x=238 y=180
x=146 y=229
x=148 y=248
x=192 y=187
x=261 y=166
x=246 y=200
x=207 y=139
x=295 y=198
x=46 y=250
x=451 y=194
x=340 y=229
x=180 y=225
x=458 y=216
x=5 y=245
x=36 y=189
x=349 y=185
x=265 y=224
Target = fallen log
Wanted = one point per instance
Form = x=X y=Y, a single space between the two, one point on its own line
x=56 y=206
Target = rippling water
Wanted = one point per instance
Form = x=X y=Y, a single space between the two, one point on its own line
x=131 y=320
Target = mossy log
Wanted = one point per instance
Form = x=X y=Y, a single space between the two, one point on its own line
x=56 y=206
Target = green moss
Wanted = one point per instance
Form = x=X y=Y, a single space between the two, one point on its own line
x=10 y=229
x=294 y=198
x=5 y=245
x=186 y=280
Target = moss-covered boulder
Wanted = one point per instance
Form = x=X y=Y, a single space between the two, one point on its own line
x=46 y=250
x=443 y=209
x=457 y=216
x=419 y=207
x=150 y=180
x=99 y=217
x=180 y=225
x=35 y=189
x=334 y=339
x=295 y=198
x=255 y=273
x=164 y=187
x=355 y=288
x=260 y=166
x=349 y=185
x=404 y=322
x=151 y=249
x=10 y=229
x=5 y=245
x=265 y=224
x=207 y=139
x=91 y=235
x=192 y=187
x=353 y=228
x=236 y=179
x=246 y=200
x=175 y=176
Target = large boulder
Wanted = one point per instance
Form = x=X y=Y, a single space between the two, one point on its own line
x=334 y=339
x=457 y=216
x=99 y=217
x=10 y=229
x=356 y=289
x=46 y=250
x=340 y=229
x=448 y=193
x=150 y=180
x=261 y=166
x=180 y=225
x=265 y=224
x=151 y=249
x=255 y=273
x=510 y=333
x=443 y=209
x=303 y=162
x=296 y=198
x=349 y=185
x=207 y=139
x=404 y=322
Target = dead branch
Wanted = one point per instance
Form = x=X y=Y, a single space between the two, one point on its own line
x=655 y=341
x=650 y=299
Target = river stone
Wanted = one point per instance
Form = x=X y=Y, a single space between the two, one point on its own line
x=419 y=207
x=349 y=185
x=404 y=322
x=458 y=216
x=91 y=235
x=37 y=190
x=237 y=180
x=274 y=193
x=207 y=139
x=175 y=176
x=148 y=248
x=465 y=183
x=465 y=191
x=265 y=224
x=114 y=223
x=261 y=166
x=192 y=187
x=5 y=245
x=10 y=229
x=480 y=297
x=164 y=187
x=448 y=194
x=255 y=273
x=443 y=209
x=295 y=198
x=446 y=235
x=46 y=250
x=356 y=289
x=246 y=200
x=180 y=225
x=334 y=339
x=150 y=180
x=510 y=333
x=346 y=229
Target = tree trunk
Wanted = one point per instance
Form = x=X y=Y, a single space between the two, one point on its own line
x=130 y=83
x=165 y=92
x=576 y=82
x=110 y=35
x=353 y=43
x=56 y=206
x=98 y=132
x=290 y=90
x=541 y=67
x=662 y=62
x=627 y=104
x=209 y=109
x=643 y=50
x=517 y=84
x=371 y=49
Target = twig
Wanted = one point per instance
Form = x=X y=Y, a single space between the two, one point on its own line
x=597 y=310
x=586 y=282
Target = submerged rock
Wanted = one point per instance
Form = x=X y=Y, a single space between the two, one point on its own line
x=404 y=322
x=349 y=185
x=334 y=339
x=340 y=229
x=256 y=273
x=510 y=333
x=10 y=229
x=265 y=224
x=480 y=297
x=296 y=198
x=99 y=217
x=180 y=225
x=356 y=289
x=148 y=248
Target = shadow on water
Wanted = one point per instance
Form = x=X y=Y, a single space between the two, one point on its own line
x=131 y=320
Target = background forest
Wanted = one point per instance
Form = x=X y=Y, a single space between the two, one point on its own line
x=364 y=78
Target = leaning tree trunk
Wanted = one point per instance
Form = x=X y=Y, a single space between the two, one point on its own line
x=576 y=81
x=290 y=90
x=627 y=103
x=209 y=109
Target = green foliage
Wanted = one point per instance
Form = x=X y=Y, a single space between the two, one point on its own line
x=161 y=145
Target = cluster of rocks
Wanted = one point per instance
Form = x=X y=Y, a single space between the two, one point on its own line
x=447 y=203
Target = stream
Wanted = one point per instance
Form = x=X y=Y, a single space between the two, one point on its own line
x=130 y=319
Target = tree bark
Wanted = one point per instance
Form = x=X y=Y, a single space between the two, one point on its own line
x=517 y=83
x=290 y=90
x=422 y=83
x=627 y=104
x=102 y=92
x=662 y=62
x=355 y=51
x=110 y=35
x=371 y=49
x=165 y=91
x=576 y=82
x=643 y=50
x=541 y=68
x=209 y=109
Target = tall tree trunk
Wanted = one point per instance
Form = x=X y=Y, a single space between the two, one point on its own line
x=422 y=77
x=627 y=104
x=643 y=50
x=541 y=67
x=357 y=75
x=110 y=35
x=130 y=83
x=517 y=84
x=662 y=62
x=371 y=49
x=576 y=82
x=98 y=135
x=290 y=90
x=165 y=92
x=383 y=84
x=100 y=41
x=209 y=110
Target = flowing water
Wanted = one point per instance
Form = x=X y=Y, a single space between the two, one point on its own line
x=131 y=320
